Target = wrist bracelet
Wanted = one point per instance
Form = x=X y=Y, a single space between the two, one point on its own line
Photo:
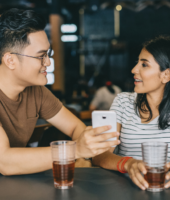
x=123 y=163
x=118 y=166
x=121 y=169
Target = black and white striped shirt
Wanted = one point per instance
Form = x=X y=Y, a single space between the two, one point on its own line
x=133 y=132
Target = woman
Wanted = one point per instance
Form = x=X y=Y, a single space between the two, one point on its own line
x=142 y=115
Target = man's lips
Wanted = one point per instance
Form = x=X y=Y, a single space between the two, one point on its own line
x=43 y=71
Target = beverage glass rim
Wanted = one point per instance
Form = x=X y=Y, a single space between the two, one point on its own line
x=63 y=142
x=154 y=143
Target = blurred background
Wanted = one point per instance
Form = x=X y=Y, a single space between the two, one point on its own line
x=96 y=43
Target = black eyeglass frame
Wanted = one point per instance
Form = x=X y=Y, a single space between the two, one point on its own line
x=48 y=54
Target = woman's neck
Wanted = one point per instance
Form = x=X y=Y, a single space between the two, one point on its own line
x=154 y=100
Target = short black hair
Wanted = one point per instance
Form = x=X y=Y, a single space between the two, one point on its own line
x=15 y=25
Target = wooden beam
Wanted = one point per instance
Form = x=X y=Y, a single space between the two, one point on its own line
x=56 y=21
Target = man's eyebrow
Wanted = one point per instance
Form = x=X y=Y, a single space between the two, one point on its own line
x=43 y=50
x=143 y=59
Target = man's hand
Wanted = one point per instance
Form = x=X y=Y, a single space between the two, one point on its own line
x=91 y=142
x=134 y=169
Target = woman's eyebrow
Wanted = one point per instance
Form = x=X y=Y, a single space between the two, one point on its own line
x=143 y=59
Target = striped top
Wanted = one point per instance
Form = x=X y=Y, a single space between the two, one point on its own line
x=133 y=132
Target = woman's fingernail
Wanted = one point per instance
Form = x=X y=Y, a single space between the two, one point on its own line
x=143 y=188
x=167 y=177
x=166 y=186
x=118 y=142
x=109 y=126
x=118 y=133
x=146 y=185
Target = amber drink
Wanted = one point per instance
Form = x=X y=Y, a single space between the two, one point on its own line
x=63 y=155
x=63 y=174
x=155 y=157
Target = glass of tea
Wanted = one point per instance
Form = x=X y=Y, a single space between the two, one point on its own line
x=155 y=158
x=63 y=156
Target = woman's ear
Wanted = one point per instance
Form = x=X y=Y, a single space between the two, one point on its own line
x=166 y=76
x=8 y=60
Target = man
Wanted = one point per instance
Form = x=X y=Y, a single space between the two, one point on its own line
x=104 y=97
x=24 y=57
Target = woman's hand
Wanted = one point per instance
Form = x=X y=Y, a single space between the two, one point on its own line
x=134 y=169
x=167 y=177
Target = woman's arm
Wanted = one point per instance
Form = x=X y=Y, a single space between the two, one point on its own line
x=108 y=160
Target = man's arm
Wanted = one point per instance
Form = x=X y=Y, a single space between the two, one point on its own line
x=31 y=160
x=22 y=160
x=67 y=123
x=89 y=142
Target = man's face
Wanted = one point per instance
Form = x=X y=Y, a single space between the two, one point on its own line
x=30 y=71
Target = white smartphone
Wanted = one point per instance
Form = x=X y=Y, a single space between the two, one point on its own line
x=104 y=118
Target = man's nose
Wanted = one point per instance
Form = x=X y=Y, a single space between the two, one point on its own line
x=48 y=62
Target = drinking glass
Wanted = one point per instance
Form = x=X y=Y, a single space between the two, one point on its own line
x=155 y=157
x=63 y=156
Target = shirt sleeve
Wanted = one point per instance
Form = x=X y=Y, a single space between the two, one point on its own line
x=118 y=108
x=97 y=99
x=117 y=89
x=50 y=105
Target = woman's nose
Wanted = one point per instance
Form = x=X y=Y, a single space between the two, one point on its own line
x=135 y=69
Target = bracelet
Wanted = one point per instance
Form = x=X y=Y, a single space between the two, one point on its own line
x=118 y=166
x=123 y=163
x=122 y=170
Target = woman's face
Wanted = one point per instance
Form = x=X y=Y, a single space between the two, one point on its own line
x=147 y=74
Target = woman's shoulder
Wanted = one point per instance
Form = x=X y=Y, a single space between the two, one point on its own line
x=127 y=96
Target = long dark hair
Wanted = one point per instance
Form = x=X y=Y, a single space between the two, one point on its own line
x=160 y=50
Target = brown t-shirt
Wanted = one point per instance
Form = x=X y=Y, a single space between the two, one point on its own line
x=18 y=118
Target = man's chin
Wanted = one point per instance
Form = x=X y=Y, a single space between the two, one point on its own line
x=44 y=81
x=41 y=83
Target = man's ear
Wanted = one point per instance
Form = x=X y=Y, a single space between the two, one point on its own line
x=166 y=76
x=9 y=60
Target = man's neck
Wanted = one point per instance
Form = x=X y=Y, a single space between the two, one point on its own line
x=10 y=87
x=10 y=91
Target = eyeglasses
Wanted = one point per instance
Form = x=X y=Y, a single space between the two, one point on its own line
x=43 y=58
